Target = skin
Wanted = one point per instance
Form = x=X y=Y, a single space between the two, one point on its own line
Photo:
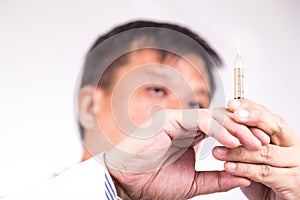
x=275 y=168
x=149 y=135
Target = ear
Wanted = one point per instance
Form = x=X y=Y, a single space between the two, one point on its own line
x=86 y=113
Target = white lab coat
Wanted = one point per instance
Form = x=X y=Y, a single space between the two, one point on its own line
x=84 y=181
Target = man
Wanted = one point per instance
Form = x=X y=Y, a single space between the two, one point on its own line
x=181 y=78
x=142 y=109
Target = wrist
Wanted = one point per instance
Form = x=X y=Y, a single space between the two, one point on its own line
x=119 y=180
x=121 y=192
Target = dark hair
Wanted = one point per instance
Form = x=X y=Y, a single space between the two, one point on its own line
x=109 y=50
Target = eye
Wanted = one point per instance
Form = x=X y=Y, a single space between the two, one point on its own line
x=157 y=91
x=194 y=104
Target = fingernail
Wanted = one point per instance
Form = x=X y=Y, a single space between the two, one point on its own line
x=243 y=113
x=231 y=166
x=235 y=103
x=221 y=151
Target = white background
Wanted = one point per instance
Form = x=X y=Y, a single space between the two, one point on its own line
x=43 y=44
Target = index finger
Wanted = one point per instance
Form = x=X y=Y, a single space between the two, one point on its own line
x=215 y=123
x=252 y=114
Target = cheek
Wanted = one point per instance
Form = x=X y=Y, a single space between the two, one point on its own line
x=139 y=109
x=106 y=127
x=142 y=105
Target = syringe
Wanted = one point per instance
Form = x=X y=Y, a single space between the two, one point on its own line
x=238 y=77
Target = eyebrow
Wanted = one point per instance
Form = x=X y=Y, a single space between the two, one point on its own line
x=159 y=70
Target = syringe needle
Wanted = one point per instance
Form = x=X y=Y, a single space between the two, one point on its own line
x=238 y=76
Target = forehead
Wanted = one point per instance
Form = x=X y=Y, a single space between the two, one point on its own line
x=189 y=66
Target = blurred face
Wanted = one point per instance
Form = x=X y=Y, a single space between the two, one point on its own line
x=146 y=84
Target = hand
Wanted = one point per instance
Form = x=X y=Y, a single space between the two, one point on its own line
x=158 y=162
x=275 y=168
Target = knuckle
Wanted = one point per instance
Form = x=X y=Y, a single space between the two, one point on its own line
x=247 y=169
x=238 y=152
x=266 y=152
x=265 y=172
x=258 y=114
x=295 y=174
x=235 y=131
x=280 y=124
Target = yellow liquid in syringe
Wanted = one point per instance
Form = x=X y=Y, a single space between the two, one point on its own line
x=238 y=83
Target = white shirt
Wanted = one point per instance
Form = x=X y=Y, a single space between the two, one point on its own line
x=88 y=180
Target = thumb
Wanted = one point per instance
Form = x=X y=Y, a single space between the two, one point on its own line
x=216 y=181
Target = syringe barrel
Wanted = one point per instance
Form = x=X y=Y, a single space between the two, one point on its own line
x=238 y=83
